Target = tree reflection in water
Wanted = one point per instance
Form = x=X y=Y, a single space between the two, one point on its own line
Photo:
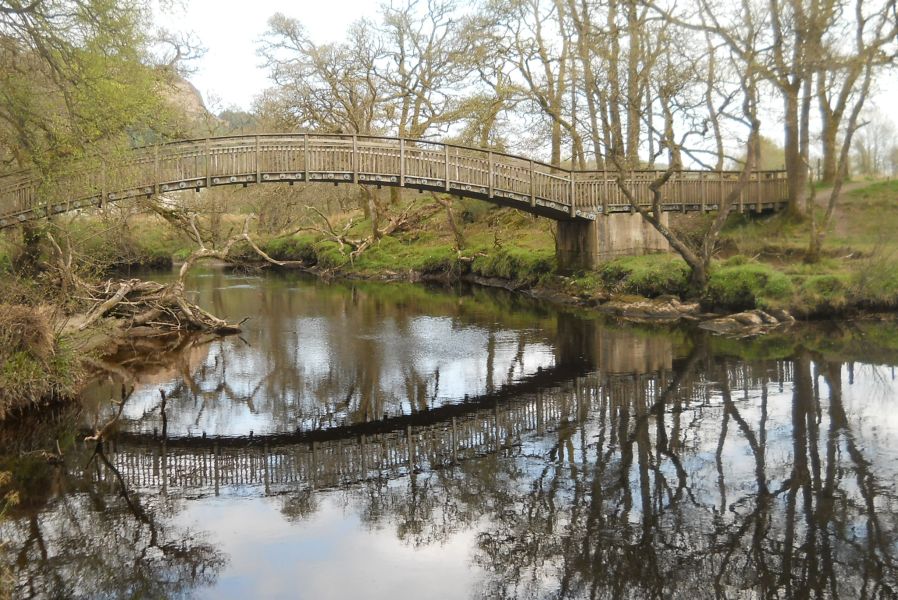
x=699 y=486
x=71 y=538
x=729 y=498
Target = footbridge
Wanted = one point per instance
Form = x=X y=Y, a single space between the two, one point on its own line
x=394 y=447
x=574 y=198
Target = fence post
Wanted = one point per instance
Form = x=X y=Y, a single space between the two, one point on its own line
x=305 y=157
x=401 y=162
x=156 y=174
x=446 y=162
x=573 y=203
x=491 y=174
x=258 y=161
x=532 y=187
x=355 y=158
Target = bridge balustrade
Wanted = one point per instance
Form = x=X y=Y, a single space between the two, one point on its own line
x=499 y=177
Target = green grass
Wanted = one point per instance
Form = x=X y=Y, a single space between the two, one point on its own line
x=746 y=286
x=651 y=275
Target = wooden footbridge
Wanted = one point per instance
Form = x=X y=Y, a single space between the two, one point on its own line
x=525 y=184
x=312 y=460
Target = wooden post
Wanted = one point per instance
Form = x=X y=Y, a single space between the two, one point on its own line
x=446 y=148
x=305 y=157
x=573 y=203
x=532 y=187
x=401 y=162
x=491 y=174
x=207 y=157
x=704 y=192
x=604 y=189
x=258 y=161
x=758 y=203
x=103 y=191
x=355 y=158
x=156 y=174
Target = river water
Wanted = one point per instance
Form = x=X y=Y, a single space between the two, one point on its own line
x=364 y=440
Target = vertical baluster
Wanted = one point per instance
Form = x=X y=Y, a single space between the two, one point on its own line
x=355 y=158
x=258 y=161
x=446 y=164
x=490 y=174
x=401 y=162
x=572 y=199
x=305 y=157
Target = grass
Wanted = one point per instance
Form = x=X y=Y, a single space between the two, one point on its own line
x=35 y=365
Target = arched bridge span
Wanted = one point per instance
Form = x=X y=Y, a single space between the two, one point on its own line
x=505 y=179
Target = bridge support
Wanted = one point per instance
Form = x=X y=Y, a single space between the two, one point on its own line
x=584 y=245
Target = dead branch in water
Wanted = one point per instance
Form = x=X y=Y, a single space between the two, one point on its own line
x=135 y=303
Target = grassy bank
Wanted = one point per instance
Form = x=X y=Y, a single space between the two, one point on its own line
x=761 y=263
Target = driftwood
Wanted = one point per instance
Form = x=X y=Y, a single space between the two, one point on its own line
x=135 y=303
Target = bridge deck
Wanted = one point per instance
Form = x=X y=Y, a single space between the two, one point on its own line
x=526 y=184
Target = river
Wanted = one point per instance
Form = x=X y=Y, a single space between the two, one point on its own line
x=365 y=440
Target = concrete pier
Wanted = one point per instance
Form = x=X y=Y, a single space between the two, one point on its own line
x=584 y=245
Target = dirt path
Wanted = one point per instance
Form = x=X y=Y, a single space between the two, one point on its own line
x=822 y=200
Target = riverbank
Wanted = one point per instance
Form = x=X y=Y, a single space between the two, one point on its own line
x=761 y=264
x=760 y=268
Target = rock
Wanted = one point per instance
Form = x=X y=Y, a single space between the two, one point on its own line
x=748 y=318
x=782 y=315
x=722 y=325
x=766 y=318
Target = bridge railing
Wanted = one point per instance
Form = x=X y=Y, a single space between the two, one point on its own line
x=419 y=164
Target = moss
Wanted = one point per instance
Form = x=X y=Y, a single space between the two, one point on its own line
x=328 y=255
x=515 y=264
x=297 y=247
x=650 y=276
x=746 y=286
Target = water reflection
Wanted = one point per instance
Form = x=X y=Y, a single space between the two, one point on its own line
x=631 y=466
x=314 y=356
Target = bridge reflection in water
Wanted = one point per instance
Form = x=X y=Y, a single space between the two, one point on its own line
x=404 y=444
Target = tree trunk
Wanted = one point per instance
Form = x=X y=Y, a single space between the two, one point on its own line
x=796 y=169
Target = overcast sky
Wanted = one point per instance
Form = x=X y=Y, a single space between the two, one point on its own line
x=230 y=73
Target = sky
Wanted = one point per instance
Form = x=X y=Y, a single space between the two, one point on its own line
x=230 y=73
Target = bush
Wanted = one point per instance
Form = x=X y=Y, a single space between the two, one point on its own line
x=651 y=275
x=745 y=286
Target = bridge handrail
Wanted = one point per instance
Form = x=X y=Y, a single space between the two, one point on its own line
x=515 y=180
